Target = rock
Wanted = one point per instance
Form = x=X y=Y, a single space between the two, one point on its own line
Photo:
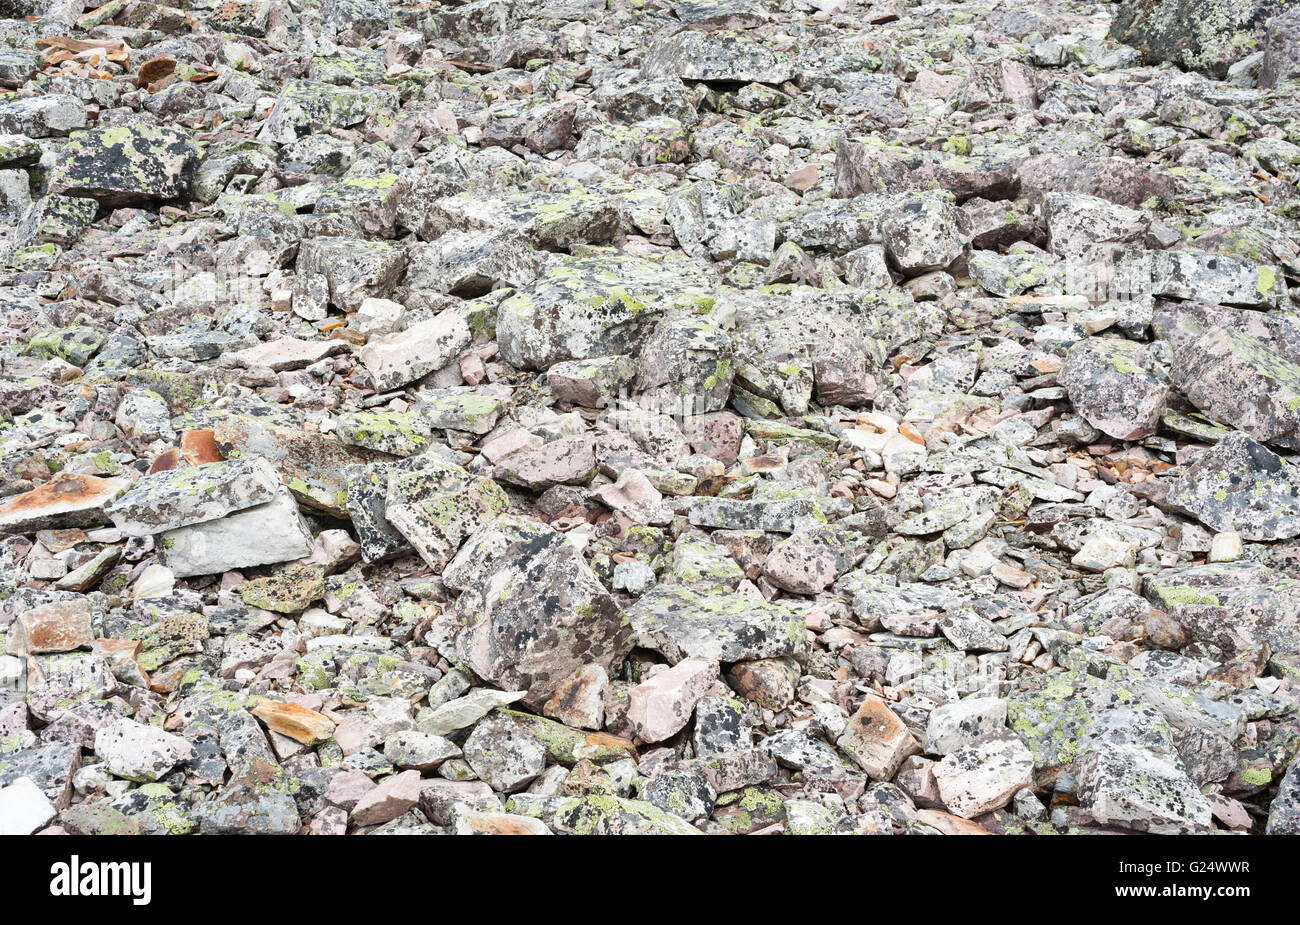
x=983 y=776
x=42 y=116
x=263 y=534
x=599 y=815
x=466 y=711
x=503 y=754
x=24 y=809
x=924 y=234
x=1281 y=53
x=692 y=55
x=1110 y=383
x=139 y=752
x=436 y=506
x=401 y=357
x=59 y=626
x=876 y=739
x=1232 y=605
x=965 y=722
x=661 y=706
x=579 y=699
x=67 y=500
x=125 y=165
x=1202 y=35
x=684 y=624
x=567 y=461
x=472 y=823
x=594 y=306
x=394 y=796
x=809 y=561
x=1241 y=381
x=175 y=498
x=297 y=722
x=557 y=617
x=1284 y=814
x=770 y=682
x=1242 y=486
x=1129 y=786
x=419 y=750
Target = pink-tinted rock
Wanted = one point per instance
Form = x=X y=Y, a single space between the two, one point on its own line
x=67 y=500
x=659 y=707
x=579 y=700
x=394 y=796
x=567 y=461
x=59 y=626
x=877 y=739
x=715 y=434
x=635 y=498
x=512 y=441
x=348 y=787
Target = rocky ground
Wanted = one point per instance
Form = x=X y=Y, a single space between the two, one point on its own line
x=649 y=416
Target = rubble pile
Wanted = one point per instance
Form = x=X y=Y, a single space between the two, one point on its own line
x=649 y=417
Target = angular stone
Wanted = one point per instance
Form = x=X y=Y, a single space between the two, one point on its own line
x=876 y=739
x=567 y=461
x=661 y=706
x=964 y=722
x=437 y=505
x=139 y=752
x=532 y=610
x=1110 y=383
x=985 y=775
x=125 y=165
x=297 y=722
x=579 y=699
x=1241 y=486
x=24 y=809
x=193 y=494
x=263 y=534
x=59 y=626
x=683 y=623
x=67 y=500
x=503 y=754
x=475 y=823
x=394 y=796
x=1129 y=786
x=404 y=356
x=808 y=562
x=594 y=306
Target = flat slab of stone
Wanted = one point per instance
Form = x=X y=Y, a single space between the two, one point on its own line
x=67 y=500
x=175 y=498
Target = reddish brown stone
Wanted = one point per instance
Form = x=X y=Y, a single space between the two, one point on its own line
x=67 y=500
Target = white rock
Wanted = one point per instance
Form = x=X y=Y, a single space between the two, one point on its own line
x=954 y=725
x=984 y=776
x=1225 y=547
x=139 y=752
x=261 y=535
x=24 y=809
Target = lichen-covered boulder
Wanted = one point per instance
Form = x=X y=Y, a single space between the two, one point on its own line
x=684 y=623
x=1111 y=383
x=436 y=505
x=593 y=306
x=1199 y=35
x=1239 y=485
x=125 y=165
x=531 y=612
x=723 y=56
x=1231 y=606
